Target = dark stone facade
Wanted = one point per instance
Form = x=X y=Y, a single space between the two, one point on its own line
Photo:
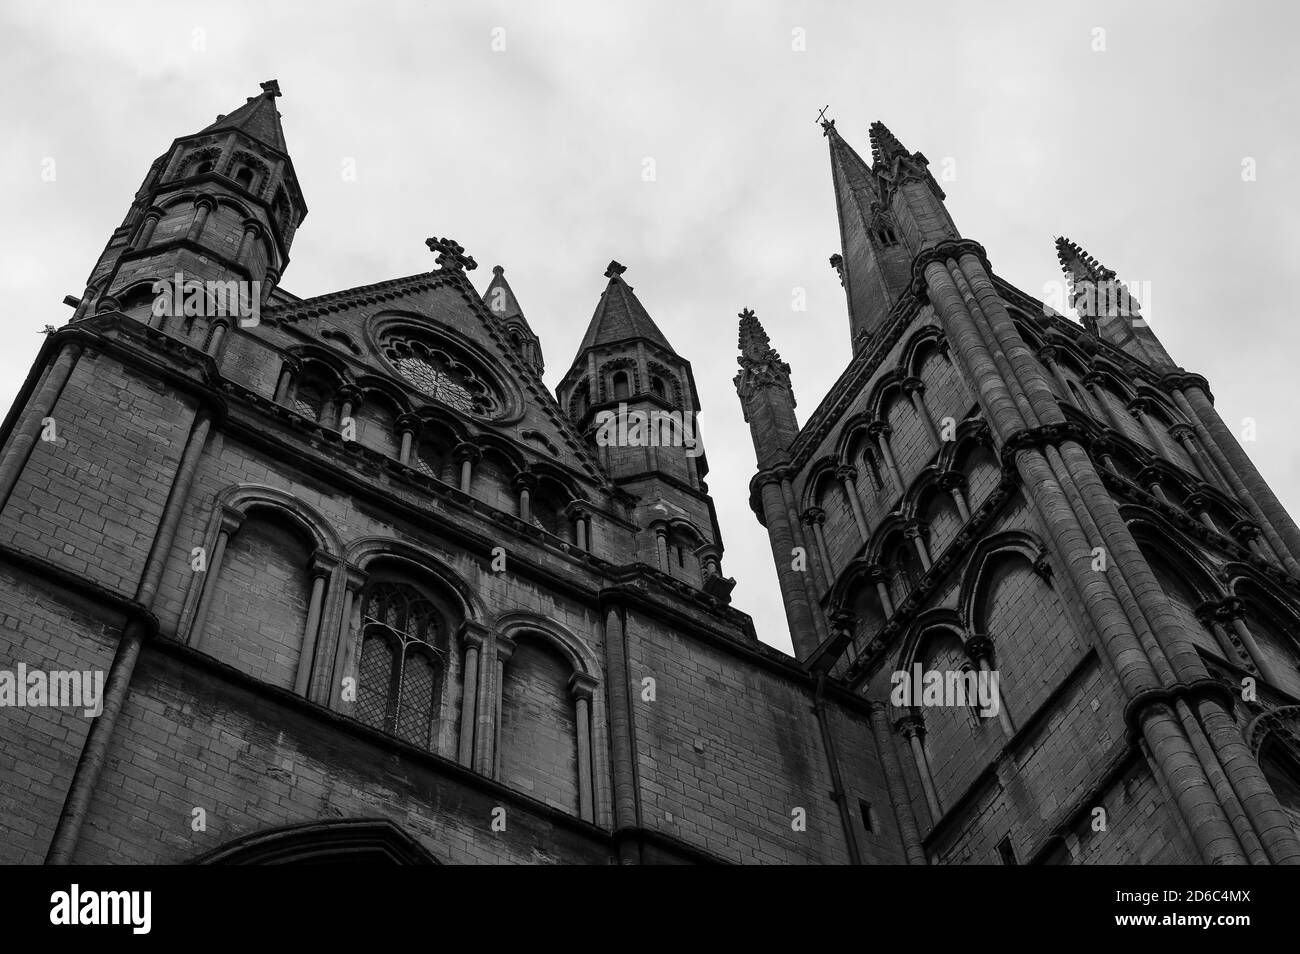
x=364 y=588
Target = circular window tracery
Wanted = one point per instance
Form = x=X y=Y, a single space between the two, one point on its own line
x=435 y=371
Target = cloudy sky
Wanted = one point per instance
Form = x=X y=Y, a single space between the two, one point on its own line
x=523 y=130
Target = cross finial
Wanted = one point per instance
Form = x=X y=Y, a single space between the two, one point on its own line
x=615 y=269
x=451 y=254
x=827 y=124
x=272 y=87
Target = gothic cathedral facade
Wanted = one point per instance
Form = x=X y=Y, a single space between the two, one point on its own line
x=361 y=587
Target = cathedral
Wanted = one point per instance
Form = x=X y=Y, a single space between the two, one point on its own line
x=348 y=582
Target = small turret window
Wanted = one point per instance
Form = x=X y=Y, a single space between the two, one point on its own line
x=657 y=386
x=621 y=387
x=244 y=177
x=204 y=166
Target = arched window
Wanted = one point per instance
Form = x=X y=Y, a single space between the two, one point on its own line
x=244 y=176
x=204 y=166
x=402 y=656
x=621 y=387
x=309 y=401
x=657 y=386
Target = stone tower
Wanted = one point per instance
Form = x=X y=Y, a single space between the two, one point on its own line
x=362 y=587
x=992 y=492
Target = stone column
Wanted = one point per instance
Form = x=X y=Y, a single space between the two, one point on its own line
x=322 y=568
x=349 y=399
x=203 y=206
x=581 y=688
x=979 y=649
x=348 y=643
x=1191 y=394
x=289 y=368
x=1185 y=435
x=912 y=726
x=914 y=532
x=878 y=575
x=880 y=431
x=505 y=648
x=466 y=455
x=954 y=482
x=524 y=484
x=145 y=235
x=408 y=430
x=914 y=388
x=30 y=424
x=231 y=520
x=848 y=476
x=473 y=637
x=252 y=231
x=815 y=518
x=896 y=785
x=117 y=687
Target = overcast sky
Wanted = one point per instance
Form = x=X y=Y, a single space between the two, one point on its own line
x=532 y=156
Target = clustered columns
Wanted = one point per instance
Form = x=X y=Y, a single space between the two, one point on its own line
x=848 y=475
x=1181 y=714
x=582 y=688
x=914 y=388
x=912 y=727
x=879 y=431
x=979 y=649
x=1185 y=435
x=805 y=619
x=1190 y=393
x=1226 y=619
x=1249 y=533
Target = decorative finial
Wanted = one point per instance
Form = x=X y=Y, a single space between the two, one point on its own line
x=753 y=342
x=884 y=144
x=271 y=88
x=615 y=269
x=451 y=255
x=1078 y=264
x=498 y=271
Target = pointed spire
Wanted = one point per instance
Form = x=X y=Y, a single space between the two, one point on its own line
x=884 y=144
x=620 y=316
x=500 y=297
x=754 y=343
x=257 y=118
x=759 y=361
x=1078 y=265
